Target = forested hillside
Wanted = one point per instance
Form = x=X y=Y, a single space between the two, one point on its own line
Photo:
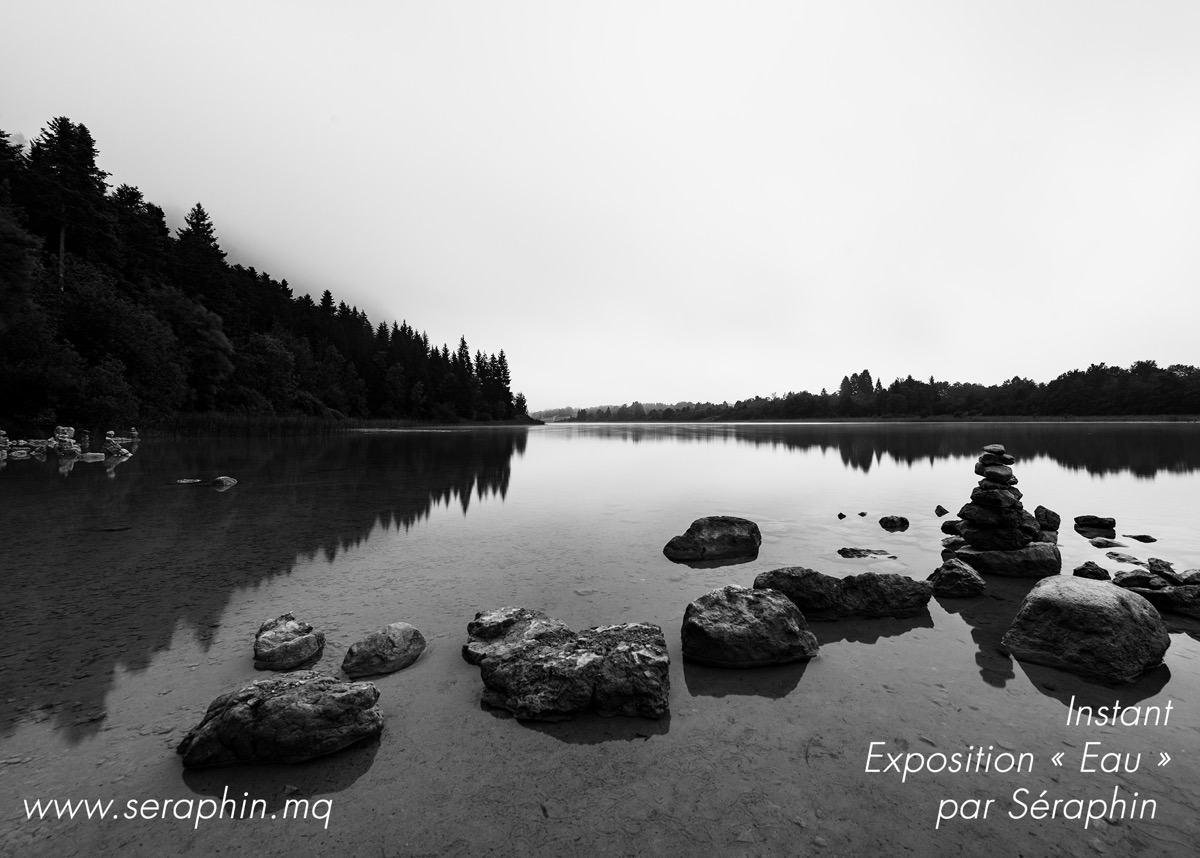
x=106 y=318
x=1144 y=389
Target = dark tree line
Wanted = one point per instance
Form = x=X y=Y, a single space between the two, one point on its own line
x=106 y=318
x=1144 y=389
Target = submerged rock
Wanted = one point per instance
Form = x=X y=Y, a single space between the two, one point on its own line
x=283 y=719
x=538 y=669
x=1140 y=537
x=1125 y=558
x=716 y=537
x=857 y=553
x=871 y=594
x=285 y=643
x=742 y=627
x=392 y=648
x=957 y=580
x=1089 y=628
x=1105 y=542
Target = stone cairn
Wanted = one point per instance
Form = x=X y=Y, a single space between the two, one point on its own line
x=995 y=534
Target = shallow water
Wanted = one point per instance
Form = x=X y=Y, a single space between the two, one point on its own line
x=131 y=602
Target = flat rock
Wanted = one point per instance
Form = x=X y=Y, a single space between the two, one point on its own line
x=855 y=553
x=894 y=523
x=1142 y=579
x=223 y=483
x=870 y=594
x=1036 y=560
x=1089 y=628
x=994 y=449
x=1140 y=537
x=283 y=719
x=1093 y=571
x=1105 y=542
x=536 y=668
x=285 y=643
x=392 y=648
x=742 y=627
x=956 y=580
x=1095 y=521
x=1125 y=558
x=716 y=537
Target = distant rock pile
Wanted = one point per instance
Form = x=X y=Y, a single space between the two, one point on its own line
x=995 y=533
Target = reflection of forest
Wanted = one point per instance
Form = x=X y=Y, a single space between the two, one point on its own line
x=106 y=570
x=1144 y=449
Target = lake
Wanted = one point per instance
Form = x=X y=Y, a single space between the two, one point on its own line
x=130 y=602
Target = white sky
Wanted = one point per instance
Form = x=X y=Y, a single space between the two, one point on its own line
x=671 y=200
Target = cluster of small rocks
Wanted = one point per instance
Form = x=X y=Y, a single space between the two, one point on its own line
x=65 y=445
x=302 y=714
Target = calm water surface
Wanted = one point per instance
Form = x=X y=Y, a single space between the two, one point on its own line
x=131 y=602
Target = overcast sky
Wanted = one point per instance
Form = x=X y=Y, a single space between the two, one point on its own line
x=666 y=201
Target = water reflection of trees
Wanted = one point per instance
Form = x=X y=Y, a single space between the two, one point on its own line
x=105 y=570
x=1144 y=449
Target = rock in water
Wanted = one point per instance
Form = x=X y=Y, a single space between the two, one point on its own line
x=538 y=669
x=741 y=627
x=1095 y=521
x=716 y=537
x=940 y=510
x=956 y=580
x=1092 y=570
x=1036 y=560
x=283 y=719
x=1183 y=599
x=223 y=484
x=1047 y=518
x=894 y=523
x=493 y=632
x=1088 y=627
x=871 y=594
x=392 y=648
x=285 y=643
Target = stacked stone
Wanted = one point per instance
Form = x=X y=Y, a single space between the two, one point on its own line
x=998 y=535
x=995 y=520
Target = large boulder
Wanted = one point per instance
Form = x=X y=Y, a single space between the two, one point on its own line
x=283 y=719
x=392 y=648
x=1088 y=627
x=871 y=594
x=538 y=669
x=956 y=580
x=741 y=627
x=285 y=643
x=1036 y=560
x=716 y=537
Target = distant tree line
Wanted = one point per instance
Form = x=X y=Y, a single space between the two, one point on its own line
x=106 y=318
x=1144 y=388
